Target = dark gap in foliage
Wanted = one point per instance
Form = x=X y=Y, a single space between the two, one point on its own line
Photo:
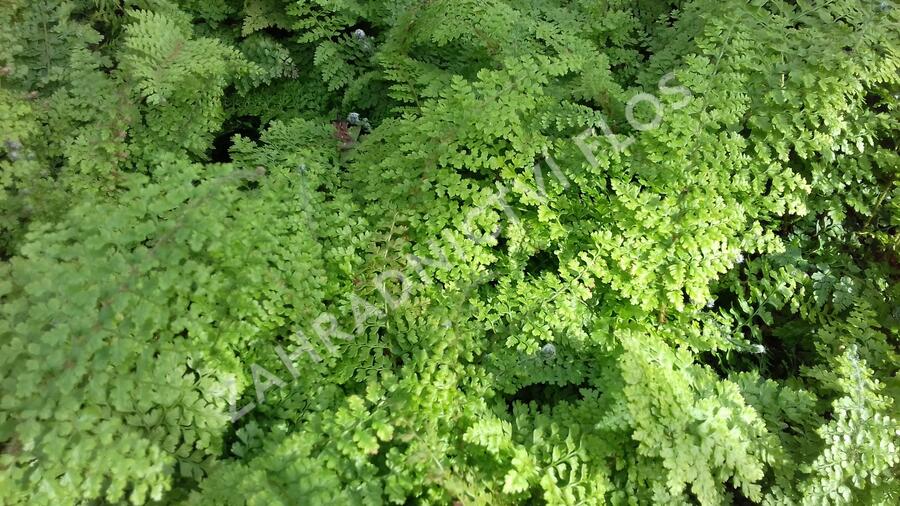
x=501 y=243
x=467 y=173
x=468 y=58
x=589 y=103
x=249 y=185
x=876 y=102
x=545 y=394
x=768 y=188
x=245 y=126
x=229 y=435
x=888 y=143
x=718 y=362
x=788 y=345
x=396 y=359
x=379 y=460
x=279 y=34
x=542 y=261
x=735 y=495
x=191 y=371
x=367 y=27
x=785 y=350
x=281 y=336
x=326 y=195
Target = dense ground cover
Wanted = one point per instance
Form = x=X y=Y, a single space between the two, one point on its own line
x=465 y=252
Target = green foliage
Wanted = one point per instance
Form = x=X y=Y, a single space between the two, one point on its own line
x=860 y=441
x=433 y=252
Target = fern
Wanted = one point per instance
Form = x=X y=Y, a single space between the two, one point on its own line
x=469 y=253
